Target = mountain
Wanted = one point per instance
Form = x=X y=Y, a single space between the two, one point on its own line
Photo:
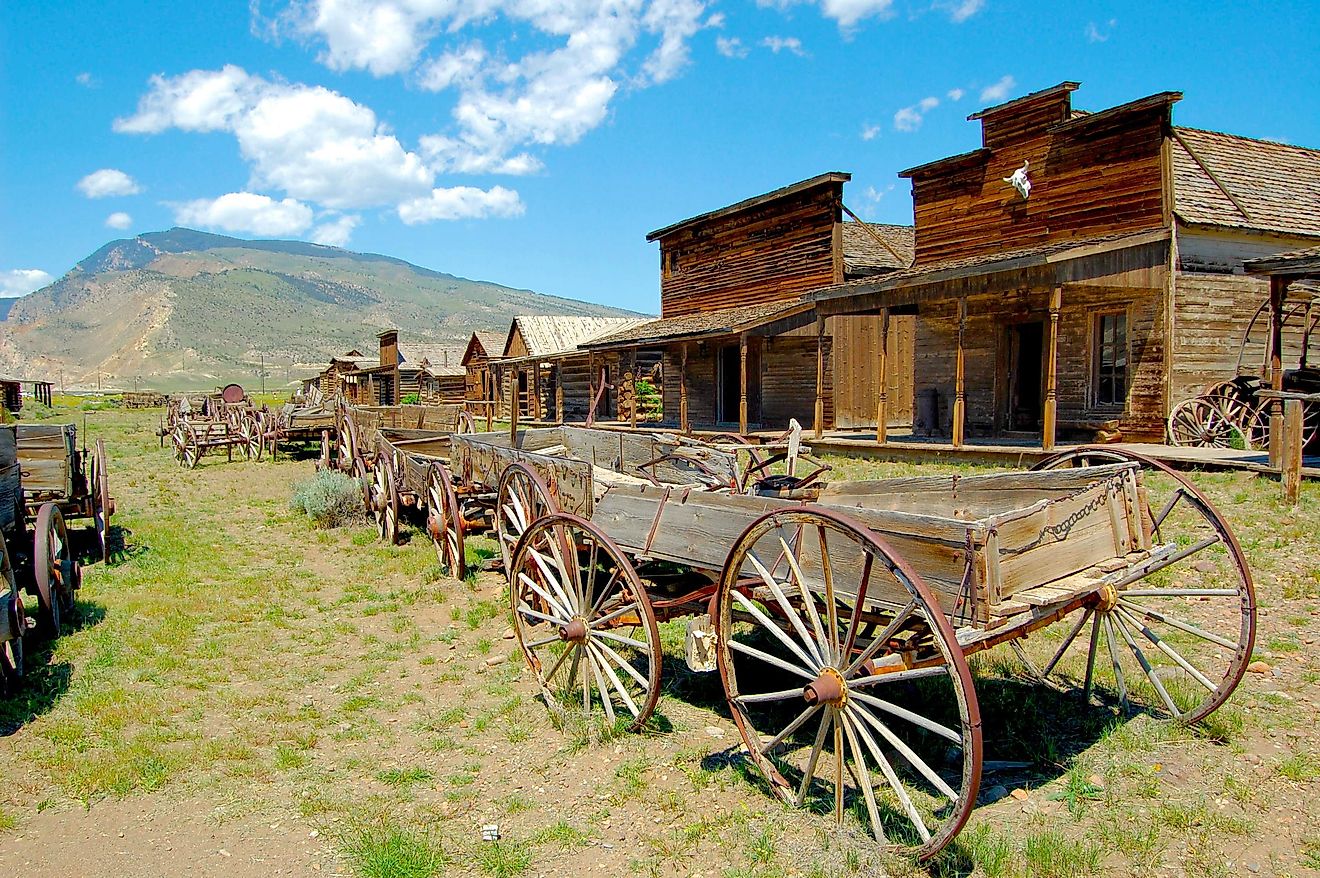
x=183 y=309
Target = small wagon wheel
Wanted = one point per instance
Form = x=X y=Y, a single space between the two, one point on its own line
x=522 y=498
x=585 y=623
x=54 y=567
x=349 y=449
x=254 y=440
x=323 y=460
x=103 y=505
x=11 y=651
x=444 y=520
x=834 y=718
x=177 y=442
x=465 y=424
x=384 y=504
x=1207 y=422
x=190 y=447
x=1177 y=630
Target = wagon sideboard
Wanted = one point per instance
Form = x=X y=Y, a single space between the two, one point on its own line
x=46 y=453
x=999 y=536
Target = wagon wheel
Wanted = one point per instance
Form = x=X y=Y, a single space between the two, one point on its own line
x=348 y=445
x=103 y=505
x=54 y=568
x=11 y=651
x=465 y=424
x=254 y=440
x=384 y=504
x=522 y=498
x=323 y=460
x=1177 y=630
x=755 y=459
x=190 y=447
x=1207 y=422
x=585 y=623
x=886 y=726
x=177 y=442
x=444 y=520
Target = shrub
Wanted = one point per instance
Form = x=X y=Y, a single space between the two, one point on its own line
x=328 y=498
x=410 y=399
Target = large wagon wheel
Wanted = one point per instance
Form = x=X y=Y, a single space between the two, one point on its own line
x=846 y=680
x=54 y=567
x=103 y=505
x=254 y=439
x=384 y=504
x=465 y=424
x=522 y=498
x=190 y=448
x=177 y=442
x=585 y=623
x=1178 y=630
x=444 y=520
x=11 y=651
x=1209 y=422
x=323 y=459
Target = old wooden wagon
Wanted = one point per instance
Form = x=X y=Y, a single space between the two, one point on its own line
x=841 y=616
x=293 y=424
x=76 y=480
x=41 y=562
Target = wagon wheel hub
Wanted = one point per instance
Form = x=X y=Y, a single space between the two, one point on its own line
x=574 y=631
x=1106 y=598
x=828 y=688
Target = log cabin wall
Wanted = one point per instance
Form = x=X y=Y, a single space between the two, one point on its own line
x=1090 y=175
x=773 y=251
x=788 y=381
x=785 y=372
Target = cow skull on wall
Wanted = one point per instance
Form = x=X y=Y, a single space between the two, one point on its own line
x=1020 y=181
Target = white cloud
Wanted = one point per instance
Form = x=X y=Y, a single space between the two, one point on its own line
x=107 y=182
x=849 y=12
x=1095 y=35
x=784 y=44
x=730 y=47
x=961 y=10
x=118 y=220
x=246 y=212
x=461 y=202
x=86 y=80
x=675 y=22
x=870 y=200
x=200 y=100
x=716 y=20
x=956 y=94
x=998 y=91
x=335 y=232
x=870 y=132
x=452 y=68
x=910 y=118
x=21 y=281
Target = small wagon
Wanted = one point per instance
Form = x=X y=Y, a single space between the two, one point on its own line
x=42 y=561
x=226 y=420
x=841 y=616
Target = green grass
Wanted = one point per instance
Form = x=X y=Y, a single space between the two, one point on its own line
x=404 y=777
x=503 y=859
x=390 y=851
x=1299 y=767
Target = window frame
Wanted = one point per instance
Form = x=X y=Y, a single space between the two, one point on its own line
x=1096 y=351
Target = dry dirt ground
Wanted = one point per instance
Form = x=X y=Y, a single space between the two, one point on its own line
x=242 y=694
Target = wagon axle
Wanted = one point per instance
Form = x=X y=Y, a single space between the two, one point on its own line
x=827 y=688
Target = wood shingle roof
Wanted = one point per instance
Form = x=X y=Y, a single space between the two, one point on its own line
x=863 y=254
x=548 y=336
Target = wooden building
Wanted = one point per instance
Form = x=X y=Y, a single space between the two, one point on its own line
x=1104 y=291
x=738 y=343
x=544 y=368
x=12 y=391
x=333 y=380
x=432 y=373
x=480 y=385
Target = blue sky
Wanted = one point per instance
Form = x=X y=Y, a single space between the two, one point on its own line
x=535 y=142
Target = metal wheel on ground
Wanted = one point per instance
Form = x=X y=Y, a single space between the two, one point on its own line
x=522 y=498
x=54 y=568
x=384 y=503
x=584 y=623
x=1177 y=633
x=250 y=427
x=11 y=604
x=103 y=505
x=444 y=520
x=846 y=680
x=1210 y=422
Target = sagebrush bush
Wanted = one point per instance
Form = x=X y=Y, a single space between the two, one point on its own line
x=329 y=499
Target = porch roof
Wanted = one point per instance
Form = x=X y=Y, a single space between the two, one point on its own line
x=903 y=285
x=726 y=321
x=1294 y=263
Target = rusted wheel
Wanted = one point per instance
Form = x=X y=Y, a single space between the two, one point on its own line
x=323 y=459
x=585 y=624
x=54 y=568
x=522 y=498
x=103 y=505
x=11 y=604
x=1210 y=422
x=384 y=503
x=465 y=423
x=346 y=446
x=1177 y=630
x=885 y=726
x=755 y=459
x=444 y=520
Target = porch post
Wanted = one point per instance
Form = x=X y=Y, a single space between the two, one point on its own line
x=742 y=384
x=683 y=425
x=1278 y=286
x=591 y=387
x=1052 y=372
x=513 y=407
x=559 y=392
x=820 y=375
x=959 y=380
x=536 y=390
x=632 y=417
x=882 y=399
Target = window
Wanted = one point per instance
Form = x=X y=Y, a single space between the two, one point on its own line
x=1111 y=359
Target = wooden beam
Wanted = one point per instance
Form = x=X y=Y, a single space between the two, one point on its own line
x=513 y=408
x=1292 y=451
x=1278 y=290
x=960 y=380
x=819 y=425
x=1052 y=372
x=632 y=415
x=559 y=393
x=535 y=390
x=683 y=424
x=882 y=382
x=742 y=384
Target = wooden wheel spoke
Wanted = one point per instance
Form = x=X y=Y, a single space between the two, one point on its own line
x=571 y=652
x=618 y=684
x=1067 y=641
x=794 y=619
x=552 y=575
x=608 y=590
x=762 y=697
x=1174 y=622
x=1089 y=680
x=822 y=644
x=863 y=776
x=850 y=640
x=831 y=606
x=898 y=676
x=527 y=611
x=892 y=777
x=809 y=771
x=612 y=615
x=882 y=638
x=1117 y=621
x=778 y=632
x=915 y=718
x=1117 y=666
x=907 y=752
x=545 y=595
x=619 y=638
x=545 y=641
x=622 y=663
x=789 y=729
x=606 y=700
x=771 y=660
x=1164 y=647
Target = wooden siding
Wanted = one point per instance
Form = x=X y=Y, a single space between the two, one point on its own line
x=778 y=250
x=786 y=374
x=1087 y=180
x=856 y=346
